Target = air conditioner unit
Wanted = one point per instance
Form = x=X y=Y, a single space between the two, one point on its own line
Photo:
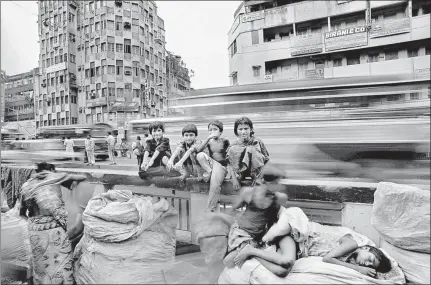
x=127 y=25
x=43 y=84
x=127 y=72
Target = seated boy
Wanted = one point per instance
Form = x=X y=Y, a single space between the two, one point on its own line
x=185 y=154
x=157 y=150
x=248 y=156
x=215 y=164
x=262 y=209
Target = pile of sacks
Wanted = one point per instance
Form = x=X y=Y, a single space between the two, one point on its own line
x=401 y=214
x=127 y=239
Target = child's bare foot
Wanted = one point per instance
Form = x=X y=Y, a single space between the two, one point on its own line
x=243 y=255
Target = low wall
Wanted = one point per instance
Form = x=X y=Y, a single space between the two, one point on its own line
x=334 y=203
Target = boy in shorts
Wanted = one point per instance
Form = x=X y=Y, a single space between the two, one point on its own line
x=157 y=150
x=215 y=164
x=185 y=153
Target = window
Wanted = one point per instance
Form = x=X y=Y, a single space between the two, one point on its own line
x=373 y=57
x=256 y=71
x=352 y=60
x=119 y=48
x=118 y=23
x=391 y=55
x=427 y=51
x=127 y=46
x=254 y=37
x=120 y=93
x=414 y=96
x=111 y=69
x=412 y=52
x=127 y=70
x=135 y=50
x=119 y=67
x=338 y=62
x=103 y=47
x=235 y=79
x=233 y=48
x=111 y=89
x=72 y=58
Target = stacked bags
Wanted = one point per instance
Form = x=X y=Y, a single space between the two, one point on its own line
x=127 y=239
x=401 y=214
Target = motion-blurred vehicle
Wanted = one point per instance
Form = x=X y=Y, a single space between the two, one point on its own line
x=78 y=134
x=373 y=129
x=32 y=151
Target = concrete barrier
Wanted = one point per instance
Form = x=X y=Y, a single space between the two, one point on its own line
x=327 y=202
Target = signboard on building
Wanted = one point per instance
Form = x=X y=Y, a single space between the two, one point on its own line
x=346 y=38
x=317 y=73
x=125 y=107
x=307 y=44
x=268 y=78
x=96 y=102
x=387 y=28
x=422 y=73
x=56 y=67
x=249 y=17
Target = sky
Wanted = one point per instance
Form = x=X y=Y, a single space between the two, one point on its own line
x=195 y=30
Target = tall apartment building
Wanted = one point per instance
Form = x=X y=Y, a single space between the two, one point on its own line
x=281 y=40
x=100 y=61
x=19 y=92
x=3 y=77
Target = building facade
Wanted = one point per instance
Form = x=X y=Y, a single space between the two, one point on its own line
x=100 y=61
x=18 y=96
x=178 y=78
x=3 y=77
x=284 y=40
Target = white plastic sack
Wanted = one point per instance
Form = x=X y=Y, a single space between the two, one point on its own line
x=15 y=244
x=127 y=239
x=415 y=265
x=401 y=214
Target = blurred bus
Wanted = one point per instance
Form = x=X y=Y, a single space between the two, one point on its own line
x=374 y=128
x=78 y=133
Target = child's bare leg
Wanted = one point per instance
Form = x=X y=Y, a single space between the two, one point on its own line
x=203 y=160
x=165 y=160
x=217 y=178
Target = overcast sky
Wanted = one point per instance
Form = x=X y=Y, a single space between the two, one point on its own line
x=196 y=30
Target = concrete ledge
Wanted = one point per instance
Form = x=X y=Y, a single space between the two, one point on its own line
x=330 y=191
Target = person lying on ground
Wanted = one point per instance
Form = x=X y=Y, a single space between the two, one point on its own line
x=185 y=154
x=337 y=245
x=262 y=207
x=215 y=164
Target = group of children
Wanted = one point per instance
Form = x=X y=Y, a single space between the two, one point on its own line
x=212 y=160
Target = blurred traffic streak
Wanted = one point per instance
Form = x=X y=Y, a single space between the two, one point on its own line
x=32 y=151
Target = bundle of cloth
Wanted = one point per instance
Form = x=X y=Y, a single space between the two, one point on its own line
x=15 y=245
x=401 y=215
x=310 y=269
x=127 y=239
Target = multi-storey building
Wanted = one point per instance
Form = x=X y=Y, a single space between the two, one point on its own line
x=100 y=61
x=178 y=77
x=3 y=77
x=280 y=40
x=18 y=96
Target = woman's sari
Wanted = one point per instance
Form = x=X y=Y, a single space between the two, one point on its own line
x=49 y=242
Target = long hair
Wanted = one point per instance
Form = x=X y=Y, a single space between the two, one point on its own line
x=244 y=121
x=384 y=262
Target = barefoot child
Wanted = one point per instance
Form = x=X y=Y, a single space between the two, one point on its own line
x=262 y=208
x=185 y=152
x=215 y=164
x=157 y=149
x=248 y=156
